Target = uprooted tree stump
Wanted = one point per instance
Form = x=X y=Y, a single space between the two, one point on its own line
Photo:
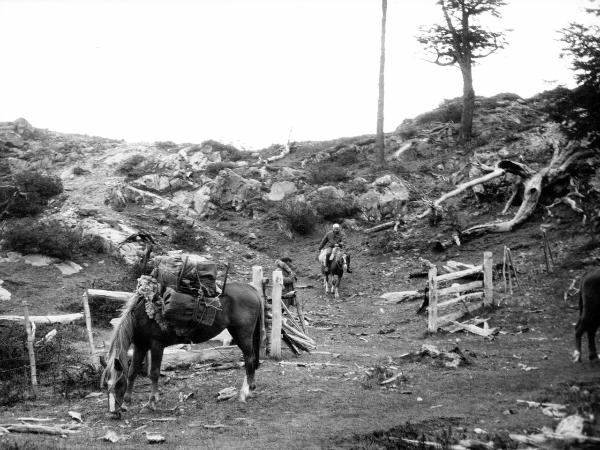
x=533 y=183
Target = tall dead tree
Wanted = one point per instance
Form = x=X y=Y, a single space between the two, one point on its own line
x=380 y=142
x=460 y=41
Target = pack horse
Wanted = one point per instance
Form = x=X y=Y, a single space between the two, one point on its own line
x=589 y=314
x=238 y=309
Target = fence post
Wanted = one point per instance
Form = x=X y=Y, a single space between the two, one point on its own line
x=432 y=316
x=488 y=283
x=88 y=324
x=257 y=282
x=276 y=314
x=30 y=338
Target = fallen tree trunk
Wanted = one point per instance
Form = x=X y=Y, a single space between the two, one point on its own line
x=61 y=318
x=534 y=183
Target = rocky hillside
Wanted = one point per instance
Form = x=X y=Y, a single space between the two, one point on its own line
x=114 y=189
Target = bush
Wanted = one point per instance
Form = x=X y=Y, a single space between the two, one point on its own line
x=449 y=111
x=49 y=238
x=213 y=169
x=135 y=166
x=346 y=157
x=228 y=152
x=29 y=193
x=299 y=216
x=335 y=209
x=327 y=173
x=188 y=238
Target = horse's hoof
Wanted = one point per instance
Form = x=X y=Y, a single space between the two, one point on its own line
x=116 y=415
x=576 y=356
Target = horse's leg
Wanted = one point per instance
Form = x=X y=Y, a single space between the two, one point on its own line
x=134 y=370
x=337 y=286
x=579 y=330
x=326 y=284
x=244 y=340
x=156 y=350
x=593 y=354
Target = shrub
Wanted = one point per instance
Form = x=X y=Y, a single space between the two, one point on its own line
x=213 y=169
x=49 y=238
x=29 y=193
x=188 y=238
x=449 y=111
x=327 y=173
x=79 y=171
x=346 y=157
x=228 y=152
x=299 y=216
x=335 y=208
x=134 y=166
x=165 y=145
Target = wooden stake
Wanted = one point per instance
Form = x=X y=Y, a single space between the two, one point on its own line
x=30 y=339
x=88 y=326
x=276 y=314
x=433 y=296
x=513 y=268
x=488 y=283
x=257 y=282
x=504 y=269
x=547 y=252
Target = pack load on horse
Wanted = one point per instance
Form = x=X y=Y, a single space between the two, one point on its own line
x=179 y=303
x=334 y=259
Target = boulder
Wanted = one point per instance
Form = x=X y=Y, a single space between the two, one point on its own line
x=289 y=174
x=154 y=182
x=201 y=201
x=386 y=198
x=280 y=189
x=234 y=191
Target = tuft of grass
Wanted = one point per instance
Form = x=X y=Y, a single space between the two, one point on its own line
x=50 y=238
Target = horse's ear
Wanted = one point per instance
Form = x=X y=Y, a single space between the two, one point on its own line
x=117 y=365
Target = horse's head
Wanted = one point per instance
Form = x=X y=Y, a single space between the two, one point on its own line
x=114 y=378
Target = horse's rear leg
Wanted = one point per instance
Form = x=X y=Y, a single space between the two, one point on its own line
x=244 y=340
x=134 y=370
x=156 y=352
x=336 y=284
x=326 y=284
x=593 y=354
x=579 y=330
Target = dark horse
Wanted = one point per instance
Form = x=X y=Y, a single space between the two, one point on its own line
x=589 y=314
x=334 y=269
x=240 y=312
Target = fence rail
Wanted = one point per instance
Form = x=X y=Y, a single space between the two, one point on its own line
x=450 y=298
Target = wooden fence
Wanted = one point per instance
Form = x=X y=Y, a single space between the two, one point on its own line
x=456 y=300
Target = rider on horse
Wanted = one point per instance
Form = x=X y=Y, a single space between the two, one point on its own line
x=333 y=238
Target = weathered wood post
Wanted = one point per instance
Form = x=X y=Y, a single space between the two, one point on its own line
x=433 y=296
x=88 y=325
x=276 y=314
x=488 y=283
x=30 y=338
x=257 y=277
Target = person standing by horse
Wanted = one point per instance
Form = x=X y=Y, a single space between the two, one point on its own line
x=334 y=238
x=289 y=276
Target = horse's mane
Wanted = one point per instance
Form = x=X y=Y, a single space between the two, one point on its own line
x=121 y=337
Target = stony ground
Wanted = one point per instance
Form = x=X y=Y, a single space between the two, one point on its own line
x=326 y=399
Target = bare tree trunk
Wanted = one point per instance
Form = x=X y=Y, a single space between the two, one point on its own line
x=466 y=119
x=380 y=144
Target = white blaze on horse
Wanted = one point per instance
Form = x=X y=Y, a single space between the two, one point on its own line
x=240 y=311
x=334 y=269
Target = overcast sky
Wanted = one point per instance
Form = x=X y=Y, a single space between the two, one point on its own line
x=249 y=72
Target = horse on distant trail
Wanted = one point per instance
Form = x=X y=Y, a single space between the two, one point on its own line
x=333 y=270
x=589 y=314
x=240 y=312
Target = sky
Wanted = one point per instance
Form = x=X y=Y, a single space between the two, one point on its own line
x=250 y=72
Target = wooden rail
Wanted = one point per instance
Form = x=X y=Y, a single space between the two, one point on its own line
x=459 y=298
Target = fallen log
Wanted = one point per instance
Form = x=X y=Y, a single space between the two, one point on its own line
x=36 y=429
x=60 y=318
x=383 y=226
x=99 y=294
x=400 y=296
